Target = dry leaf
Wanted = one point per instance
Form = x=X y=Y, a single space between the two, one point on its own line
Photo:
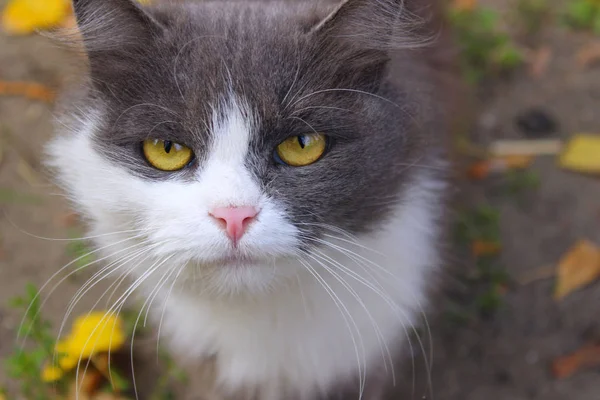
x=31 y=90
x=586 y=357
x=579 y=267
x=538 y=63
x=582 y=154
x=534 y=147
x=22 y=17
x=588 y=55
x=482 y=169
x=484 y=248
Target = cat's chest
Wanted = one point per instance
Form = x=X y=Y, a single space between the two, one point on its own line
x=308 y=339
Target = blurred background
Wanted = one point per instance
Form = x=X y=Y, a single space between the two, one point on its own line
x=520 y=318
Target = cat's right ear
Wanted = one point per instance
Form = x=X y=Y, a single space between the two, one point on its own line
x=114 y=34
x=106 y=25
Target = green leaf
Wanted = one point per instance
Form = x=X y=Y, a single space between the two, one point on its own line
x=581 y=13
x=507 y=57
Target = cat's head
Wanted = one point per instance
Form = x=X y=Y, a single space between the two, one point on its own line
x=230 y=135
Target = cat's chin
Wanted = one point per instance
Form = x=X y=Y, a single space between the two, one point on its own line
x=240 y=274
x=235 y=261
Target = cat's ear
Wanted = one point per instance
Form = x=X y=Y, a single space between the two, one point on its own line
x=374 y=24
x=108 y=24
x=114 y=34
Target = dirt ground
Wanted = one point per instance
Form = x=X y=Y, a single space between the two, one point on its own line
x=500 y=357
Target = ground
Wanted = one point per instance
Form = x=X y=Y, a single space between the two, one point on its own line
x=504 y=355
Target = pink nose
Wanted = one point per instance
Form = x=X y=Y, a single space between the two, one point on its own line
x=235 y=219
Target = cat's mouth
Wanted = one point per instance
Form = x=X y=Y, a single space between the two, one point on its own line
x=234 y=260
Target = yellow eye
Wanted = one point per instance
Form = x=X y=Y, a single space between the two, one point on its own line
x=303 y=150
x=166 y=155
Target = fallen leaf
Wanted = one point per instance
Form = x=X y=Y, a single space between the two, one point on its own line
x=579 y=267
x=31 y=90
x=582 y=154
x=534 y=147
x=485 y=248
x=539 y=61
x=22 y=17
x=586 y=357
x=482 y=169
x=588 y=55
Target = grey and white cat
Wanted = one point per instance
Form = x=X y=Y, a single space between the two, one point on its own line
x=271 y=175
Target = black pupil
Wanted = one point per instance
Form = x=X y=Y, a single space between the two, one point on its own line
x=168 y=146
x=303 y=141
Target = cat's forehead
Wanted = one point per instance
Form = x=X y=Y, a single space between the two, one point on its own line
x=214 y=52
x=212 y=49
x=250 y=39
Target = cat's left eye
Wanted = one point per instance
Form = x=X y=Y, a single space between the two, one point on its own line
x=166 y=155
x=301 y=150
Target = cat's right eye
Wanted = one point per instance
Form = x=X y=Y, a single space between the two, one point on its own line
x=166 y=155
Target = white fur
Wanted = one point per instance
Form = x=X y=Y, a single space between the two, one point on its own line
x=271 y=325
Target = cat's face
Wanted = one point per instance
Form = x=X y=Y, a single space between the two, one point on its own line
x=231 y=137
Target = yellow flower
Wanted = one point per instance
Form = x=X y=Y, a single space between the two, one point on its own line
x=66 y=359
x=21 y=17
x=52 y=374
x=95 y=333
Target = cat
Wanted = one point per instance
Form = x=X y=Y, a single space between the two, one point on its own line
x=272 y=177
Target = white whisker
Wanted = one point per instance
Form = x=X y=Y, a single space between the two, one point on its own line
x=348 y=320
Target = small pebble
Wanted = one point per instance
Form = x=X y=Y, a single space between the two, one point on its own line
x=536 y=123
